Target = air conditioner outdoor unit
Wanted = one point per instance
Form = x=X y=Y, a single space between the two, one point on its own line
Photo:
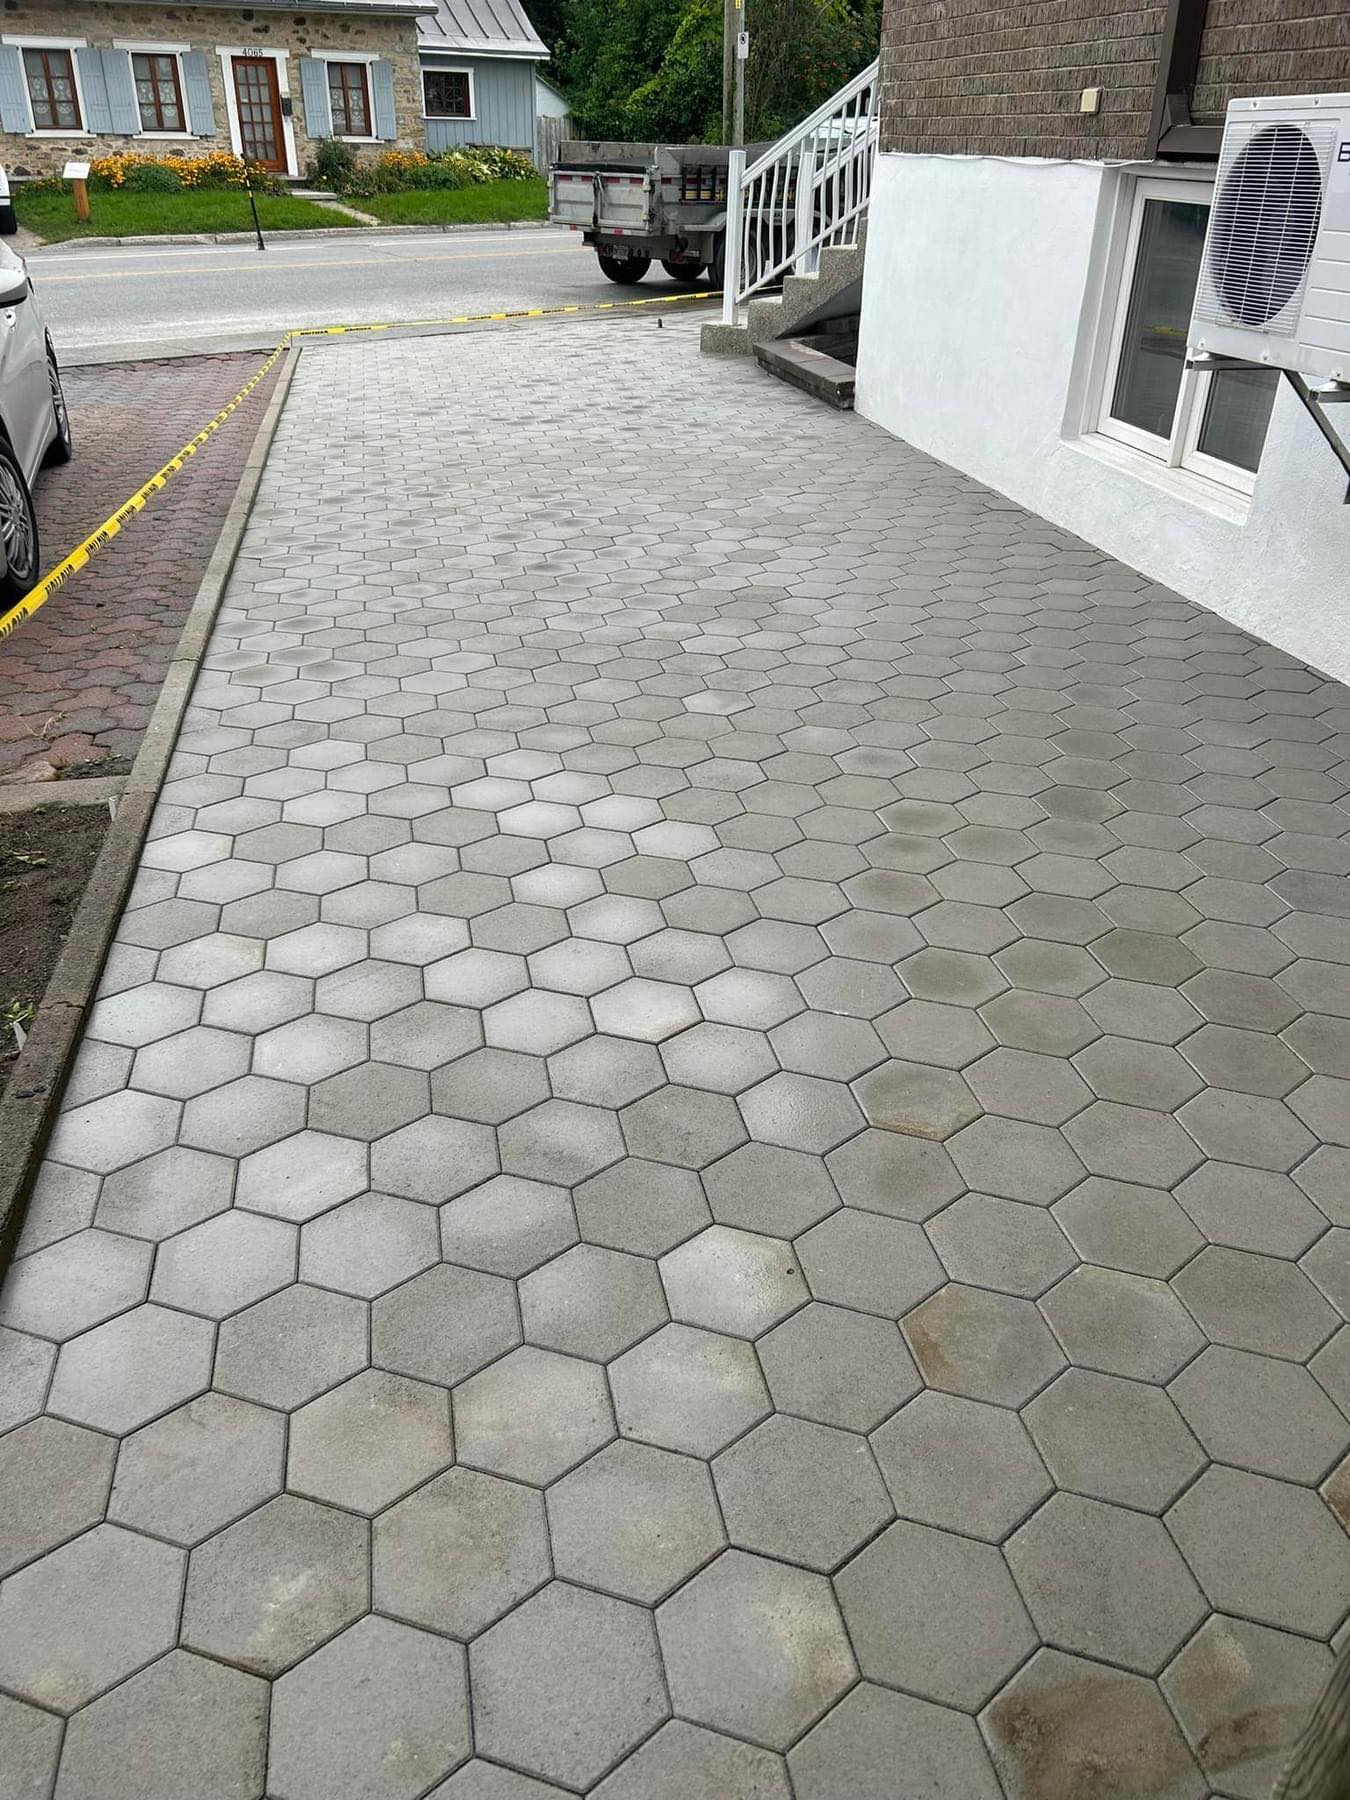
x=1274 y=282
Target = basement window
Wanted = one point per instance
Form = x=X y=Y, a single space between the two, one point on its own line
x=1212 y=424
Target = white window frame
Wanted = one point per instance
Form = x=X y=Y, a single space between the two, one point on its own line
x=177 y=52
x=227 y=54
x=467 y=118
x=369 y=58
x=54 y=43
x=1179 y=450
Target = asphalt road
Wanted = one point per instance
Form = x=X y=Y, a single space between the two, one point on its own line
x=179 y=296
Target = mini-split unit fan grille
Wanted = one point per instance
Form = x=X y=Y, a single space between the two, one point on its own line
x=1267 y=209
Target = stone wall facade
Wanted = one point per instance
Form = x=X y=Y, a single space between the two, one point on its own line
x=207 y=29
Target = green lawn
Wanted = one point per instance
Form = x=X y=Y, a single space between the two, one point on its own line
x=52 y=216
x=486 y=204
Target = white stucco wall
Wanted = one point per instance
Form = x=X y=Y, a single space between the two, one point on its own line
x=980 y=297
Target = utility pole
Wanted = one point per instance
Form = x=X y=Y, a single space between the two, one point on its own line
x=742 y=52
x=730 y=26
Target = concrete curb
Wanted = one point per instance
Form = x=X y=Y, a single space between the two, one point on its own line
x=308 y=231
x=35 y=1087
x=90 y=790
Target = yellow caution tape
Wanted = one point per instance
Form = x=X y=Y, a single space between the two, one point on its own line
x=108 y=530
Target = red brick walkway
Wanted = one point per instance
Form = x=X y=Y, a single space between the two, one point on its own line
x=79 y=680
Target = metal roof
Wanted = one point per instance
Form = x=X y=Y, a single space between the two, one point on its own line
x=398 y=9
x=482 y=27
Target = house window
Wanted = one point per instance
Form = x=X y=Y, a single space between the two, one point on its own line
x=349 y=97
x=52 y=93
x=159 y=93
x=447 y=93
x=1211 y=423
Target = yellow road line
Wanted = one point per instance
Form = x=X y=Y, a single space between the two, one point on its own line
x=108 y=530
x=260 y=267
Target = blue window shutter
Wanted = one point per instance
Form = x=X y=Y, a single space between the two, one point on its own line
x=121 y=90
x=314 y=93
x=15 y=114
x=94 y=90
x=382 y=92
x=197 y=94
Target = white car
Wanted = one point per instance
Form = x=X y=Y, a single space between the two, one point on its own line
x=34 y=425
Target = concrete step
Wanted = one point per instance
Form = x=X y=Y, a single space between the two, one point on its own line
x=805 y=300
x=793 y=360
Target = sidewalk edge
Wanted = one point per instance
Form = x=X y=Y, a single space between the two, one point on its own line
x=303 y=232
x=30 y=1100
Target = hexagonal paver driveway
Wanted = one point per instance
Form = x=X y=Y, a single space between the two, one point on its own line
x=730 y=1179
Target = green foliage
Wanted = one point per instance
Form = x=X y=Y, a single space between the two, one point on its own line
x=333 y=164
x=401 y=171
x=486 y=202
x=154 y=178
x=652 y=69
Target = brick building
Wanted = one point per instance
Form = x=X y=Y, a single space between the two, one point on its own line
x=1037 y=218
x=83 y=77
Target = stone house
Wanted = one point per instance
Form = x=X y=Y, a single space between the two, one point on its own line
x=82 y=78
x=1038 y=212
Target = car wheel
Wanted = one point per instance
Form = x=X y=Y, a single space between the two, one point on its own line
x=18 y=530
x=626 y=270
x=61 y=449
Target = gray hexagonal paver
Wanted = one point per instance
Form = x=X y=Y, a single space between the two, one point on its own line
x=1255 y=1303
x=507 y=1226
x=838 y=1367
x=1121 y=1324
x=868 y=1262
x=132 y=1745
x=634 y=1521
x=444 y=1324
x=460 y=1552
x=642 y=1207
x=291 y=1347
x=533 y=1415
x=934 y=1613
x=1261 y=1413
x=84 y=1279
x=1064 y=1725
x=695 y=1763
x=380 y=1711
x=984 y=1345
x=592 y=1302
x=55 y=1480
x=368 y=1245
x=88 y=1615
x=892 y=1172
x=224 y=1264
x=732 y=1281
x=567 y=1684
x=120 y=1374
x=1113 y=1439
x=858 y=1747
x=1104 y=1581
x=1231 y=1675
x=755 y=1648
x=364 y=1444
x=805 y=1492
x=266 y=1591
x=198 y=1468
x=1265 y=1549
x=688 y=1390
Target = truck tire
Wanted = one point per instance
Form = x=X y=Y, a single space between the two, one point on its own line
x=717 y=262
x=626 y=270
x=689 y=272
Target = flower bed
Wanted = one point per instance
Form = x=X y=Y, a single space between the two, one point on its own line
x=401 y=171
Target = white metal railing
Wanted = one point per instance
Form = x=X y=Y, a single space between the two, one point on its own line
x=808 y=190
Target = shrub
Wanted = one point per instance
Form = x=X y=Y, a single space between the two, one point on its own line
x=395 y=171
x=153 y=178
x=333 y=165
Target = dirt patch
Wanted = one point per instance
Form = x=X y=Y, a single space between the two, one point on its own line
x=46 y=856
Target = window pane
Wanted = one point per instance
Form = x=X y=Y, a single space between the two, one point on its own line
x=1237 y=413
x=1153 y=349
x=51 y=88
x=447 y=93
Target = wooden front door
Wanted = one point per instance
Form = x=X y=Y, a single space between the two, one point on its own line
x=258 y=100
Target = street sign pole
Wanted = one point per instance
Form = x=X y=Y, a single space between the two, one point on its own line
x=742 y=53
x=730 y=23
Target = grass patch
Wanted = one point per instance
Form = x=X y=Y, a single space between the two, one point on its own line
x=487 y=203
x=52 y=216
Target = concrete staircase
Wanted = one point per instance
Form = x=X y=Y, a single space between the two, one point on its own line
x=833 y=292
